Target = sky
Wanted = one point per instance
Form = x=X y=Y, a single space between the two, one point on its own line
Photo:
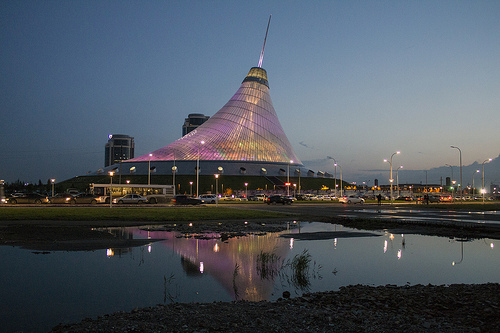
x=354 y=80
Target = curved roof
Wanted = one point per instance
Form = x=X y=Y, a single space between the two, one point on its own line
x=245 y=129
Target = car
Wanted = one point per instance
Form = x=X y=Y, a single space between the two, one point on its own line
x=131 y=199
x=62 y=198
x=351 y=200
x=275 y=199
x=258 y=197
x=186 y=200
x=29 y=198
x=85 y=198
x=208 y=198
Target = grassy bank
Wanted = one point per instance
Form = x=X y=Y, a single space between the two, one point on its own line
x=131 y=213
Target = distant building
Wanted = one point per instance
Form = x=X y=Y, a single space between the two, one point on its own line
x=193 y=121
x=119 y=148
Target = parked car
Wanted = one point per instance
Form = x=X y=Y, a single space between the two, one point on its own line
x=85 y=198
x=275 y=199
x=259 y=197
x=131 y=199
x=351 y=200
x=227 y=197
x=208 y=198
x=29 y=198
x=186 y=200
x=61 y=198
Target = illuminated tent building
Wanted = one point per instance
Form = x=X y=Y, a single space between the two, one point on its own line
x=243 y=137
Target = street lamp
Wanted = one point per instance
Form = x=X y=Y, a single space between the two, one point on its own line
x=149 y=169
x=246 y=191
x=288 y=179
x=392 y=180
x=477 y=171
x=484 y=190
x=111 y=189
x=53 y=182
x=397 y=179
x=198 y=167
x=216 y=190
x=335 y=176
x=460 y=151
x=174 y=170
x=341 y=181
x=191 y=188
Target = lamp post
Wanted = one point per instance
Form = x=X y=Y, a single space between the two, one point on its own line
x=335 y=176
x=341 y=181
x=191 y=188
x=198 y=168
x=397 y=179
x=174 y=170
x=288 y=179
x=294 y=189
x=484 y=190
x=246 y=191
x=149 y=169
x=391 y=180
x=216 y=190
x=477 y=171
x=460 y=151
x=111 y=189
x=53 y=182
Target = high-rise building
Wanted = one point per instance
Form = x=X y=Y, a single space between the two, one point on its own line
x=119 y=148
x=192 y=122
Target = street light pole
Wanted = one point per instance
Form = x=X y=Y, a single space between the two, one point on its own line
x=397 y=179
x=111 y=189
x=392 y=180
x=473 y=191
x=149 y=169
x=246 y=191
x=198 y=168
x=484 y=190
x=191 y=189
x=460 y=152
x=335 y=175
x=288 y=179
x=216 y=190
x=52 y=181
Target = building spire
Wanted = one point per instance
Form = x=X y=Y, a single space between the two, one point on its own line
x=263 y=46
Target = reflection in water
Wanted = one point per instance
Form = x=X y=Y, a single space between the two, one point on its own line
x=233 y=263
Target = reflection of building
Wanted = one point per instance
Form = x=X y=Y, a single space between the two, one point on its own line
x=192 y=122
x=221 y=260
x=119 y=148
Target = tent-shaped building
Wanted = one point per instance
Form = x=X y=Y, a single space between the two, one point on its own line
x=243 y=137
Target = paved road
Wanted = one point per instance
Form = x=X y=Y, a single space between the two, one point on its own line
x=403 y=212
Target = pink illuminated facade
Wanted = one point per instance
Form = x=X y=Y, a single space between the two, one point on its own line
x=245 y=129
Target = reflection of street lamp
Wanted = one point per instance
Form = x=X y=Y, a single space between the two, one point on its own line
x=191 y=188
x=110 y=189
x=53 y=182
x=198 y=167
x=335 y=176
x=391 y=180
x=246 y=191
x=149 y=169
x=462 y=253
x=216 y=190
x=473 y=191
x=397 y=178
x=460 y=151
x=484 y=190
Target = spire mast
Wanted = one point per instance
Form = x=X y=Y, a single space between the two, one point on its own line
x=263 y=46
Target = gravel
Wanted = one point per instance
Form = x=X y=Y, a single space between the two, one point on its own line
x=453 y=308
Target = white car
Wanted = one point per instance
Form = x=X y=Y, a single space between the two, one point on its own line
x=131 y=199
x=351 y=200
x=208 y=198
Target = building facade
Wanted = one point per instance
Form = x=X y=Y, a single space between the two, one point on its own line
x=192 y=122
x=119 y=148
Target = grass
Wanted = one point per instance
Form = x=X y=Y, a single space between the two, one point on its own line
x=101 y=213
